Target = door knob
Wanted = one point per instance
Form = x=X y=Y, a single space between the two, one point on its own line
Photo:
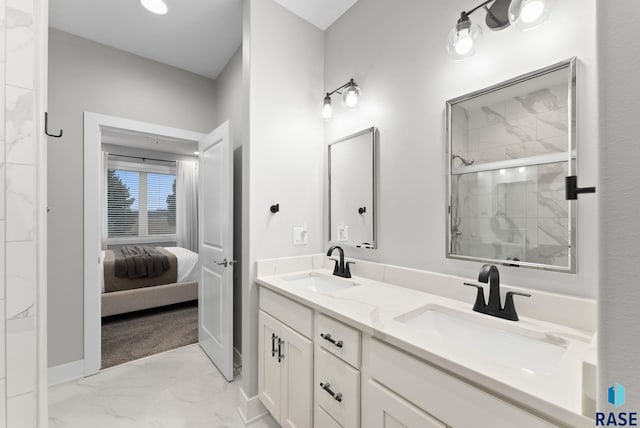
x=225 y=262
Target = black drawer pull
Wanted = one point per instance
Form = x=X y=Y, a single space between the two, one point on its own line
x=328 y=338
x=327 y=387
x=273 y=344
x=280 y=354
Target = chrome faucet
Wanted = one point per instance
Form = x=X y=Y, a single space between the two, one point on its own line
x=341 y=268
x=489 y=274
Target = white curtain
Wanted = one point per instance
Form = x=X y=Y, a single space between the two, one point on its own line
x=105 y=220
x=187 y=205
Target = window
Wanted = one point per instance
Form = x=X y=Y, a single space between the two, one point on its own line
x=141 y=202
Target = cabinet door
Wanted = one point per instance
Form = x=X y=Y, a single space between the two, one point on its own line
x=384 y=409
x=297 y=380
x=269 y=369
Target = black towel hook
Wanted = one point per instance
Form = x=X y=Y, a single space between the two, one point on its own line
x=46 y=127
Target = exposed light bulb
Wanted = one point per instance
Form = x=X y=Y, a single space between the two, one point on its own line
x=463 y=38
x=159 y=7
x=464 y=43
x=521 y=169
x=531 y=11
x=327 y=110
x=351 y=96
x=503 y=171
x=528 y=14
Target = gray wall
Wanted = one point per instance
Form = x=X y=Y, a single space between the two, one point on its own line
x=229 y=107
x=86 y=76
x=397 y=55
x=619 y=328
x=282 y=157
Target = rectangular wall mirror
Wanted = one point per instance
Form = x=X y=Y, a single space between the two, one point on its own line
x=352 y=190
x=510 y=148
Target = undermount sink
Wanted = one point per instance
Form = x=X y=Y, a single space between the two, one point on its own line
x=320 y=283
x=479 y=336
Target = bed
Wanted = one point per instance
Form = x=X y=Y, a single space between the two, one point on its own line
x=179 y=284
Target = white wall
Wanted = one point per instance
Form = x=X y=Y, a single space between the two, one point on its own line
x=397 y=56
x=229 y=107
x=21 y=213
x=283 y=73
x=619 y=66
x=87 y=76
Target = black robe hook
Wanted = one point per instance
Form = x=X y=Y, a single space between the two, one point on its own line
x=46 y=127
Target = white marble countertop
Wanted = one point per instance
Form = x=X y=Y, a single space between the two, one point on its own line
x=372 y=306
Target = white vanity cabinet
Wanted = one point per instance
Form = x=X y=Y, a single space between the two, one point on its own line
x=285 y=360
x=316 y=371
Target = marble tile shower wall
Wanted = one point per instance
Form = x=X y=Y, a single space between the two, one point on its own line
x=518 y=127
x=521 y=208
x=17 y=214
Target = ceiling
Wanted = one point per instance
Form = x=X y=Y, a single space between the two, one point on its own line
x=143 y=141
x=321 y=13
x=195 y=35
x=199 y=36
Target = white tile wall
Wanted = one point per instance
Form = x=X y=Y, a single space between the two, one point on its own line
x=20 y=280
x=20 y=356
x=19 y=44
x=3 y=404
x=17 y=213
x=20 y=411
x=2 y=353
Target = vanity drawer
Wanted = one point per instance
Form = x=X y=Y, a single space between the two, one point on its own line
x=340 y=394
x=440 y=394
x=323 y=420
x=339 y=339
x=295 y=315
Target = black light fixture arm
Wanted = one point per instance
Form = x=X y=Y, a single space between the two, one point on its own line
x=351 y=82
x=497 y=14
x=470 y=11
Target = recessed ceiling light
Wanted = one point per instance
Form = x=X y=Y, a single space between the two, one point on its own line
x=159 y=7
x=196 y=153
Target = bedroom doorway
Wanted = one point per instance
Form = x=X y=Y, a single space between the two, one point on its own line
x=150 y=223
x=149 y=204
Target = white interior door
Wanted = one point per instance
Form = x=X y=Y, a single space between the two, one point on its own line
x=215 y=314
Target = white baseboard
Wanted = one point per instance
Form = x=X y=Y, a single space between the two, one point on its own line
x=66 y=372
x=237 y=358
x=251 y=409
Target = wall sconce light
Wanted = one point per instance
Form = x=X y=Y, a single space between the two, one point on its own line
x=350 y=97
x=523 y=14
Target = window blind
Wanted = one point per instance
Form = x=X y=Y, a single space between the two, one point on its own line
x=161 y=204
x=140 y=204
x=123 y=207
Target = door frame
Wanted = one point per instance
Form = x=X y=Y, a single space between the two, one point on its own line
x=94 y=123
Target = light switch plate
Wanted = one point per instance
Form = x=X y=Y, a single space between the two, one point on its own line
x=343 y=233
x=300 y=235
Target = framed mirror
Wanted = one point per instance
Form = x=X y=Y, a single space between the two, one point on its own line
x=352 y=189
x=510 y=148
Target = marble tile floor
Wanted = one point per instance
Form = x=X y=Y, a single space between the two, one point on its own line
x=176 y=389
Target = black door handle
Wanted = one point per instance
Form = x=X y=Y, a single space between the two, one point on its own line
x=572 y=190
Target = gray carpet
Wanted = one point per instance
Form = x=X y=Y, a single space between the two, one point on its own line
x=132 y=336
